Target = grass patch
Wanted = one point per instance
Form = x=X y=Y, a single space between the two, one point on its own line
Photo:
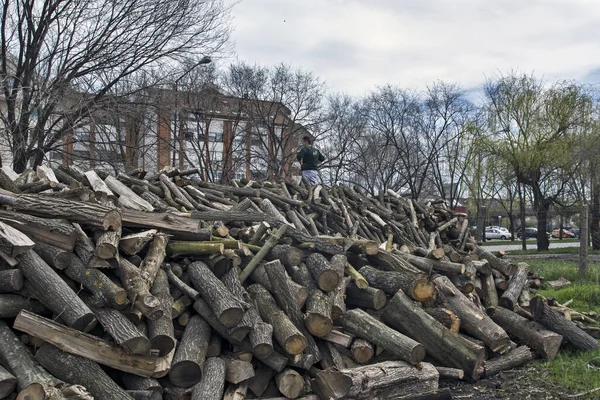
x=558 y=250
x=575 y=370
x=554 y=269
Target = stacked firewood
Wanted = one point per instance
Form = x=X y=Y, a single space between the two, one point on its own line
x=167 y=286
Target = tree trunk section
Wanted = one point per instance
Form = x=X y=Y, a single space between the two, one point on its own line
x=289 y=383
x=11 y=281
x=515 y=287
x=445 y=346
x=545 y=342
x=322 y=271
x=54 y=292
x=365 y=298
x=512 y=359
x=138 y=290
x=123 y=331
x=212 y=385
x=359 y=323
x=556 y=322
x=186 y=369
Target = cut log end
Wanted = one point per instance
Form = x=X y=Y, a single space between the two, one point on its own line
x=319 y=325
x=185 y=374
x=120 y=298
x=163 y=343
x=106 y=251
x=295 y=344
x=423 y=290
x=231 y=317
x=328 y=280
x=112 y=220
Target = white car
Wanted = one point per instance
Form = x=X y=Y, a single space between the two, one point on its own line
x=500 y=228
x=496 y=234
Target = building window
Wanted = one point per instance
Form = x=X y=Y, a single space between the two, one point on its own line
x=215 y=137
x=188 y=135
x=55 y=156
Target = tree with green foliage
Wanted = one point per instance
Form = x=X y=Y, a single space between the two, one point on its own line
x=533 y=128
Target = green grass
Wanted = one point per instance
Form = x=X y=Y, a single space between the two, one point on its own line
x=560 y=250
x=574 y=371
x=571 y=369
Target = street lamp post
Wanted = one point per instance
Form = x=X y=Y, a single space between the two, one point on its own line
x=177 y=131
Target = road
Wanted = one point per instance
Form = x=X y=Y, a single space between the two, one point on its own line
x=531 y=245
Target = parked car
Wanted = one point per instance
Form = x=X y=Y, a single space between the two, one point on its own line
x=575 y=231
x=565 y=233
x=496 y=234
x=529 y=233
x=500 y=228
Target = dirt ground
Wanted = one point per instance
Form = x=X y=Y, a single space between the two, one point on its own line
x=528 y=382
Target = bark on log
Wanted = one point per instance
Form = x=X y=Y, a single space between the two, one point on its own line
x=107 y=244
x=319 y=319
x=81 y=344
x=53 y=256
x=417 y=286
x=472 y=319
x=97 y=184
x=154 y=257
x=180 y=227
x=12 y=241
x=237 y=370
x=11 y=281
x=56 y=232
x=182 y=248
x=127 y=197
x=134 y=382
x=324 y=275
x=225 y=305
x=284 y=331
x=450 y=373
x=339 y=338
x=138 y=291
x=97 y=283
x=19 y=360
x=123 y=331
x=365 y=298
x=81 y=371
x=357 y=278
x=186 y=369
x=496 y=263
x=338 y=298
x=426 y=265
x=359 y=323
x=135 y=242
x=251 y=317
x=390 y=379
x=261 y=339
x=269 y=244
x=512 y=359
x=8 y=383
x=488 y=284
x=300 y=290
x=11 y=304
x=445 y=317
x=77 y=211
x=285 y=298
x=212 y=385
x=288 y=255
x=545 y=342
x=160 y=330
x=54 y=292
x=556 y=322
x=515 y=286
x=447 y=347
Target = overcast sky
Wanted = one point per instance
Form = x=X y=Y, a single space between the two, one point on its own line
x=355 y=45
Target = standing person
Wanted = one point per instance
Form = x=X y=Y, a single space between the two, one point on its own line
x=310 y=158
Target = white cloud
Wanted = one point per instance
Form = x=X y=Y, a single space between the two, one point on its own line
x=357 y=44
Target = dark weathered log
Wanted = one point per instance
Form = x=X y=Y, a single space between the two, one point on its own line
x=417 y=286
x=261 y=339
x=390 y=379
x=215 y=345
x=123 y=331
x=52 y=231
x=321 y=245
x=237 y=370
x=154 y=257
x=160 y=330
x=427 y=265
x=338 y=298
x=515 y=286
x=286 y=334
x=225 y=305
x=212 y=385
x=288 y=255
x=263 y=375
x=556 y=322
x=251 y=317
x=448 y=347
x=86 y=213
x=330 y=384
x=19 y=360
x=362 y=351
x=290 y=383
x=545 y=342
x=512 y=359
x=365 y=298
x=300 y=290
x=331 y=358
x=104 y=290
x=8 y=383
x=450 y=373
x=135 y=242
x=134 y=382
x=81 y=371
x=144 y=394
x=361 y=324
x=11 y=281
x=138 y=291
x=490 y=298
x=285 y=298
x=496 y=263
x=54 y=256
x=324 y=275
x=11 y=304
x=7 y=183
x=186 y=369
x=54 y=292
x=90 y=347
x=473 y=321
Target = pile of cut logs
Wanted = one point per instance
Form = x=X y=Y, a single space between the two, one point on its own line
x=167 y=286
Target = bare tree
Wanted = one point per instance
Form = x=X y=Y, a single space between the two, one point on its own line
x=60 y=59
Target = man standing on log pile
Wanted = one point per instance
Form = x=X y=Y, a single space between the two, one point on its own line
x=310 y=158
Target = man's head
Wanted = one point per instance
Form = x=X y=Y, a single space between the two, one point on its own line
x=307 y=141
